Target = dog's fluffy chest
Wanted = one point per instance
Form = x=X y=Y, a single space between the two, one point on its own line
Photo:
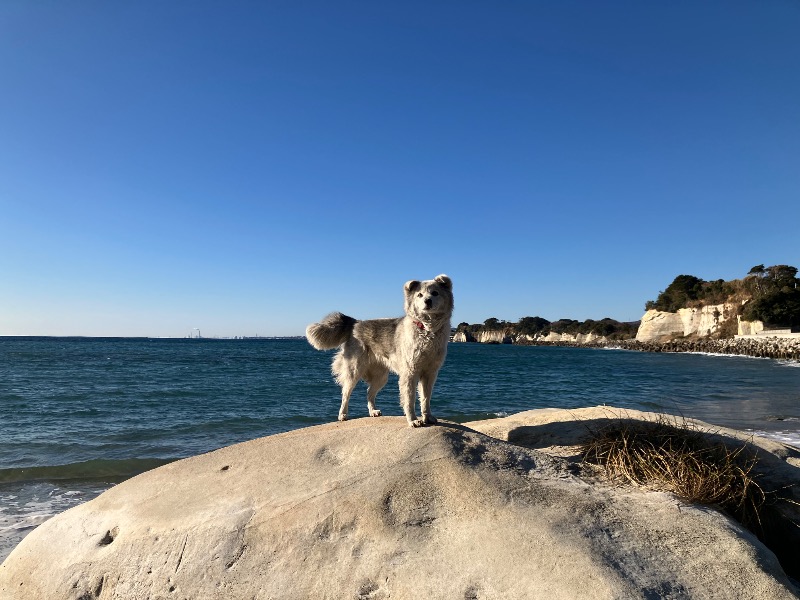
x=420 y=346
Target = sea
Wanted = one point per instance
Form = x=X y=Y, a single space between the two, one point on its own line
x=79 y=415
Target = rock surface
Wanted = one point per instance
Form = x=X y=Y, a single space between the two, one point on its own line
x=370 y=508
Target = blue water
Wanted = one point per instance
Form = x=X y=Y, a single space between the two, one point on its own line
x=78 y=415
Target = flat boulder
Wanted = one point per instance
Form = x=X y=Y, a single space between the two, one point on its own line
x=371 y=508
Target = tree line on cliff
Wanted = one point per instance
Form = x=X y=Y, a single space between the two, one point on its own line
x=538 y=326
x=768 y=294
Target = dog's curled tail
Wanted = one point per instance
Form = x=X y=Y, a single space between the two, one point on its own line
x=334 y=330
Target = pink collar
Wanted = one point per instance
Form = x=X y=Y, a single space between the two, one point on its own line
x=420 y=325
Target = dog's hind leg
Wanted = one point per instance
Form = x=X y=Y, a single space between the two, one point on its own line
x=348 y=383
x=345 y=369
x=376 y=379
x=426 y=382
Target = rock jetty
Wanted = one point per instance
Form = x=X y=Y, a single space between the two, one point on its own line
x=762 y=346
x=781 y=348
x=373 y=509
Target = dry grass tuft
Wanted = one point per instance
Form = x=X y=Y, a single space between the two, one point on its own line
x=673 y=455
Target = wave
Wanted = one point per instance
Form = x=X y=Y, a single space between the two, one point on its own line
x=111 y=471
x=782 y=418
x=788 y=362
x=791 y=438
x=723 y=355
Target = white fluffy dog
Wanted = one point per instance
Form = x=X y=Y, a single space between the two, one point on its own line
x=413 y=346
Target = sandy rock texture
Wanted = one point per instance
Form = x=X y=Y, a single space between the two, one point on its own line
x=371 y=508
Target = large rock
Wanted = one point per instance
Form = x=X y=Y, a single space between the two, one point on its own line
x=373 y=509
x=776 y=468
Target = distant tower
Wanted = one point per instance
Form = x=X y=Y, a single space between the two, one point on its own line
x=198 y=333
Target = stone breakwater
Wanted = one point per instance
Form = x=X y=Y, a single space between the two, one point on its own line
x=788 y=349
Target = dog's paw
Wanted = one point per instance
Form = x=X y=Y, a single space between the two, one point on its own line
x=429 y=419
x=416 y=423
x=343 y=417
x=375 y=413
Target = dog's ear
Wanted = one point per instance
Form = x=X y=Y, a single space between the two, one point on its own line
x=444 y=281
x=412 y=286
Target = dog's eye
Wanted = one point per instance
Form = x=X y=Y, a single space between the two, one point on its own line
x=419 y=295
x=434 y=293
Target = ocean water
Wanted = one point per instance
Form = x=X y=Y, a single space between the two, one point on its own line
x=80 y=415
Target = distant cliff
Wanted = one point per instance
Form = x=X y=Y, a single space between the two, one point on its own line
x=534 y=330
x=688 y=309
x=693 y=308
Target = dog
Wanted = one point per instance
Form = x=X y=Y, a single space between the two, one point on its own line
x=413 y=347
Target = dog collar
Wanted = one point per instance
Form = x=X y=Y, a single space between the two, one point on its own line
x=420 y=325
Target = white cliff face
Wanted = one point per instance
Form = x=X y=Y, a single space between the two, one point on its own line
x=750 y=327
x=500 y=337
x=656 y=325
x=704 y=321
x=493 y=337
x=578 y=338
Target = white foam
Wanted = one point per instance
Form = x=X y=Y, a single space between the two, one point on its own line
x=25 y=508
x=721 y=355
x=791 y=438
x=29 y=521
x=785 y=362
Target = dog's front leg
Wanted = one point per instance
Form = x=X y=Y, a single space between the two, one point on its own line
x=426 y=382
x=407 y=397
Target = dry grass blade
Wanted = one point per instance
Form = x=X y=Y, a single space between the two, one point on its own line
x=675 y=456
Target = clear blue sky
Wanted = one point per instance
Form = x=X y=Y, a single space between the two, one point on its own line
x=247 y=167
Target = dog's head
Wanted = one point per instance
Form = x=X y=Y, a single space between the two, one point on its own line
x=429 y=300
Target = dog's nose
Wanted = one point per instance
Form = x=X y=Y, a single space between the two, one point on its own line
x=428 y=302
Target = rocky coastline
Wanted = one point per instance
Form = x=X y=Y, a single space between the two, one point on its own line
x=767 y=347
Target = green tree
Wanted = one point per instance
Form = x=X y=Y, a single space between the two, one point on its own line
x=781 y=276
x=780 y=308
x=532 y=325
x=776 y=299
x=491 y=323
x=682 y=290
